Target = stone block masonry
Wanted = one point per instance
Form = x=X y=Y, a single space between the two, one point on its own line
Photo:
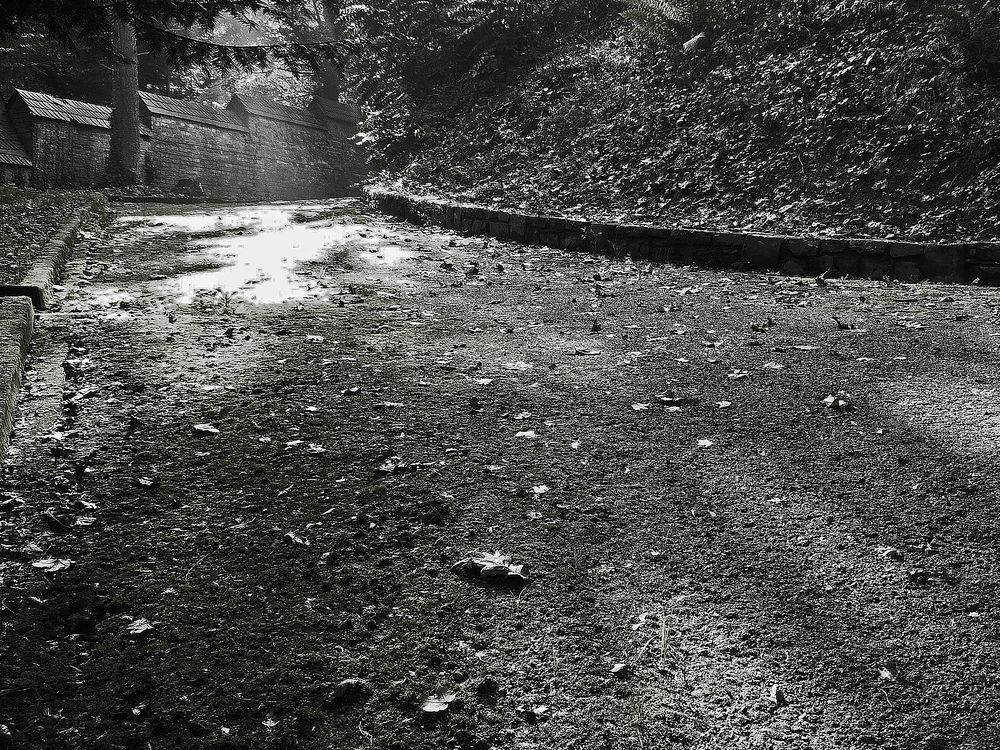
x=799 y=256
x=249 y=150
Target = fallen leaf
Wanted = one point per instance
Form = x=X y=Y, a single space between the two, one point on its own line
x=206 y=429
x=640 y=407
x=493 y=568
x=52 y=564
x=438 y=701
x=703 y=443
x=839 y=401
x=137 y=627
x=293 y=538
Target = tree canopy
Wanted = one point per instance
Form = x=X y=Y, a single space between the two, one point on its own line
x=184 y=30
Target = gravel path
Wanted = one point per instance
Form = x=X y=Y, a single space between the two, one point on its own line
x=719 y=559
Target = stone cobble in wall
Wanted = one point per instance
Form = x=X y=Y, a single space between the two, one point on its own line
x=812 y=256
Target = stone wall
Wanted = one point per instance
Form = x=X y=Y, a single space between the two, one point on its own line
x=66 y=154
x=813 y=256
x=292 y=160
x=233 y=153
x=219 y=158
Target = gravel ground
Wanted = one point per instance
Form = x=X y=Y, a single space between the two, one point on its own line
x=27 y=219
x=718 y=558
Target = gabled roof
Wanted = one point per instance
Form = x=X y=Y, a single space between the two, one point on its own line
x=336 y=110
x=49 y=107
x=11 y=150
x=206 y=114
x=68 y=110
x=258 y=107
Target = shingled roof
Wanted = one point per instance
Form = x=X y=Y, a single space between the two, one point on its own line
x=11 y=150
x=68 y=110
x=336 y=110
x=258 y=107
x=206 y=114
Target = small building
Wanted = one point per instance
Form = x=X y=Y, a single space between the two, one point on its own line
x=15 y=164
x=252 y=148
x=68 y=141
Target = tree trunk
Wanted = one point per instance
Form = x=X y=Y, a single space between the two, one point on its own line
x=124 y=158
x=327 y=74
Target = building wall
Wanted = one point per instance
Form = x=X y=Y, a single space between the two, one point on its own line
x=271 y=159
x=292 y=161
x=15 y=175
x=344 y=157
x=221 y=159
x=23 y=124
x=69 y=155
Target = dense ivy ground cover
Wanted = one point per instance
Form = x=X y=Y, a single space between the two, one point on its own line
x=27 y=219
x=855 y=118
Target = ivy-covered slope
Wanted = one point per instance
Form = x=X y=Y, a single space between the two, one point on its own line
x=858 y=118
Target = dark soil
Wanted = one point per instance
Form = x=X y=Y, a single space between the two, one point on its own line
x=807 y=578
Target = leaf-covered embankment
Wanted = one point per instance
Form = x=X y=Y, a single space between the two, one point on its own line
x=835 y=117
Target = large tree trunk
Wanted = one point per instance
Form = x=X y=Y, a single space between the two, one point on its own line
x=327 y=74
x=124 y=159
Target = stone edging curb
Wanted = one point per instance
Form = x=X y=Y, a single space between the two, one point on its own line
x=18 y=303
x=17 y=320
x=797 y=256
x=45 y=270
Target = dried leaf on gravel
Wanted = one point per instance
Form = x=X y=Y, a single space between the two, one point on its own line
x=889 y=672
x=206 y=429
x=294 y=538
x=529 y=434
x=493 y=568
x=588 y=352
x=52 y=564
x=138 y=627
x=703 y=443
x=640 y=407
x=839 y=401
x=518 y=366
x=438 y=701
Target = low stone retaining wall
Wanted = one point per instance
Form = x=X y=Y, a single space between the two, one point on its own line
x=798 y=256
x=17 y=317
